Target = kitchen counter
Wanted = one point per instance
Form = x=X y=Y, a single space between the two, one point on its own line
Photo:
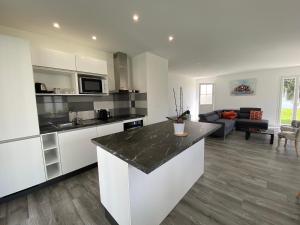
x=149 y=147
x=145 y=172
x=88 y=123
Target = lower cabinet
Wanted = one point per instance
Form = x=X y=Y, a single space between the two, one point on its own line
x=21 y=165
x=109 y=129
x=76 y=149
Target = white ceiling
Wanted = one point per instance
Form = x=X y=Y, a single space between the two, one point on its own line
x=212 y=37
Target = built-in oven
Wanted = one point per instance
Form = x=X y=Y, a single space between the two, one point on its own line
x=133 y=125
x=92 y=84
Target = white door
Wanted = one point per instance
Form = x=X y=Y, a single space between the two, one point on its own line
x=21 y=165
x=17 y=96
x=206 y=98
x=52 y=59
x=91 y=65
x=76 y=149
x=109 y=129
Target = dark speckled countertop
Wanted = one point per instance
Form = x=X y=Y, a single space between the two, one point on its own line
x=88 y=123
x=149 y=147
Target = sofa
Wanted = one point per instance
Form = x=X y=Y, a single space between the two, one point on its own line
x=242 y=122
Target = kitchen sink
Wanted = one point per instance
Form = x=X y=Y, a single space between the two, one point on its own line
x=88 y=122
x=64 y=125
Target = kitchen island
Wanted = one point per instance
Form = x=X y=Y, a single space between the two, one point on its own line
x=144 y=173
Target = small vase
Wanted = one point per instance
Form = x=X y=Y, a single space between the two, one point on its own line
x=178 y=128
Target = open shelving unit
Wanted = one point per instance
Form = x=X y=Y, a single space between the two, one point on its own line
x=51 y=155
x=65 y=80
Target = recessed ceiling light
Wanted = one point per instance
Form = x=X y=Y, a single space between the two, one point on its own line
x=56 y=25
x=135 y=17
x=94 y=37
x=171 y=38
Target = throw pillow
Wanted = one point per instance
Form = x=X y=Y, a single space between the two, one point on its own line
x=231 y=115
x=256 y=115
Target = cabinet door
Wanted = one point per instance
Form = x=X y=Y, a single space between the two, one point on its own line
x=52 y=59
x=109 y=129
x=91 y=65
x=18 y=105
x=76 y=149
x=21 y=165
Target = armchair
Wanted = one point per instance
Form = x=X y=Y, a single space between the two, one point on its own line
x=291 y=133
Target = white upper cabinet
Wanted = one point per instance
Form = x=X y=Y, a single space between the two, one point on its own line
x=18 y=105
x=91 y=65
x=52 y=59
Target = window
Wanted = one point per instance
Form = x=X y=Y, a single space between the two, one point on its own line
x=206 y=94
x=290 y=100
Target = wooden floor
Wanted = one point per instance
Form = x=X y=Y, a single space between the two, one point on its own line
x=245 y=182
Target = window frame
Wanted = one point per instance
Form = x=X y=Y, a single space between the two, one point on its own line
x=212 y=93
x=295 y=98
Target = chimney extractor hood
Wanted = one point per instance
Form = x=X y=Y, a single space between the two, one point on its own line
x=122 y=68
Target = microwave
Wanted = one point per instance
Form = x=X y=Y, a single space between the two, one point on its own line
x=92 y=84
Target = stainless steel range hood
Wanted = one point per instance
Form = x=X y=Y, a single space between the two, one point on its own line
x=122 y=71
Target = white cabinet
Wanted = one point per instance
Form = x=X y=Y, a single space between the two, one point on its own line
x=109 y=129
x=91 y=65
x=18 y=105
x=53 y=59
x=76 y=149
x=21 y=165
x=150 y=74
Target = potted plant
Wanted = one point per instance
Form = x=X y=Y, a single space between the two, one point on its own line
x=180 y=115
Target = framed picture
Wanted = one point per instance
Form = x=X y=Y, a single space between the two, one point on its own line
x=243 y=87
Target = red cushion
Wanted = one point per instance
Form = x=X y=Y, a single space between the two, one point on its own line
x=256 y=115
x=231 y=115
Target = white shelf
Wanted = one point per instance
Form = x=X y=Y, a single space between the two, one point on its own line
x=49 y=141
x=50 y=148
x=51 y=157
x=53 y=171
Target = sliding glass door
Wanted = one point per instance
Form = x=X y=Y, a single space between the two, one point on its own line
x=290 y=102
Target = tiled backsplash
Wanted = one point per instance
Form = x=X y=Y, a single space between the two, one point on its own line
x=56 y=108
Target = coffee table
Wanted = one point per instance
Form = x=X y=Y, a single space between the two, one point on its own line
x=270 y=132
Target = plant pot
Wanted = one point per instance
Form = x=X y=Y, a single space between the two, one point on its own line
x=178 y=128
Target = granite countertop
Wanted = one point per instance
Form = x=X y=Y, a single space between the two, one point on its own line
x=149 y=147
x=87 y=123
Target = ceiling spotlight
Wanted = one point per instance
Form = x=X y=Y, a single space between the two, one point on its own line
x=94 y=37
x=56 y=25
x=171 y=38
x=135 y=17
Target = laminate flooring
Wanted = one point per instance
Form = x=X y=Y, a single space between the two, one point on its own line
x=245 y=183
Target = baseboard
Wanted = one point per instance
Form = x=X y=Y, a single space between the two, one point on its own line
x=45 y=184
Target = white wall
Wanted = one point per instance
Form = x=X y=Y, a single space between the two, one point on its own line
x=42 y=41
x=267 y=91
x=189 y=94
